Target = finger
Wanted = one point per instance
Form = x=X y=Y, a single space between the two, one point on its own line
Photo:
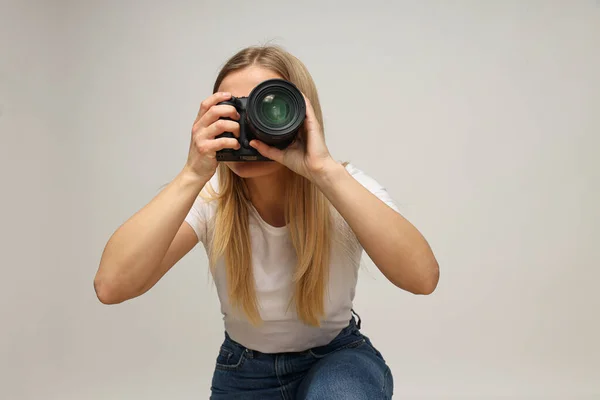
x=210 y=147
x=311 y=119
x=221 y=126
x=216 y=112
x=224 y=143
x=211 y=101
x=270 y=152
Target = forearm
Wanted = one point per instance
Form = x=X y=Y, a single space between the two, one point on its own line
x=392 y=242
x=137 y=247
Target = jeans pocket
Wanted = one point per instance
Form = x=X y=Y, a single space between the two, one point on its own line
x=230 y=358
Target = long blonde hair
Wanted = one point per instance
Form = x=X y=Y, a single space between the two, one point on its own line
x=307 y=210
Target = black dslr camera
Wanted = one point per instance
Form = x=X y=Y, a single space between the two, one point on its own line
x=272 y=113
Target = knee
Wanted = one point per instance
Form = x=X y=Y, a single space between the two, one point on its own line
x=349 y=375
x=343 y=387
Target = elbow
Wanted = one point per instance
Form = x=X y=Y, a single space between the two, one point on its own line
x=430 y=280
x=106 y=292
x=423 y=281
x=426 y=289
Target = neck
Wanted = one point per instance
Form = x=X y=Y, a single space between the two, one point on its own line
x=267 y=194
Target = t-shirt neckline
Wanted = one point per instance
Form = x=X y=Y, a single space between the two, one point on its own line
x=275 y=230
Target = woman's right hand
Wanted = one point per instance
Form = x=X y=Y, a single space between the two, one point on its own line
x=202 y=159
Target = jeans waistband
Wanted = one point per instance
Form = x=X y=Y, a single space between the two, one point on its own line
x=352 y=326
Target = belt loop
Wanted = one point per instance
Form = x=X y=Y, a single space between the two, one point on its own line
x=357 y=316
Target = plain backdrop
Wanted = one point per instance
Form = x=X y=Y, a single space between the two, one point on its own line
x=481 y=118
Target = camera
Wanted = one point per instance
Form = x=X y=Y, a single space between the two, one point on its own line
x=273 y=113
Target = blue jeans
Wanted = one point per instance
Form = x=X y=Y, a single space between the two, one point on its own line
x=347 y=368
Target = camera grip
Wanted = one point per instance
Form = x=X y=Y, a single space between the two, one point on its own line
x=227 y=134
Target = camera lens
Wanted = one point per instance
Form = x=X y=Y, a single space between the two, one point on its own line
x=276 y=110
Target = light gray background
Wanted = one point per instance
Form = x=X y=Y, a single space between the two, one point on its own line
x=481 y=118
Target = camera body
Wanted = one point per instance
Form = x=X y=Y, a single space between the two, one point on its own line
x=273 y=113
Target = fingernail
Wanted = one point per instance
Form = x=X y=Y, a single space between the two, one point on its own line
x=226 y=94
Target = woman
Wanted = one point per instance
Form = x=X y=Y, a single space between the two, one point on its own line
x=284 y=240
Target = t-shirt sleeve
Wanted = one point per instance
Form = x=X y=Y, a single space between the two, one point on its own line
x=197 y=218
x=373 y=186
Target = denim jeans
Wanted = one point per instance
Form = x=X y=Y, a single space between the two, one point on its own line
x=348 y=368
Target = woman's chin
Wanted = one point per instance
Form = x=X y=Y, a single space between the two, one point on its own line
x=254 y=169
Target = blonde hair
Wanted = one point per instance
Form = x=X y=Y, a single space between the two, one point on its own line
x=307 y=210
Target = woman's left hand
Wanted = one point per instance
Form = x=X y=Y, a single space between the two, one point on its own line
x=308 y=156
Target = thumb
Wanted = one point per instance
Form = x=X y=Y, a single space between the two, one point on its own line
x=270 y=152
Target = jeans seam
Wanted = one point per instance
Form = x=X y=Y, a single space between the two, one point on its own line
x=388 y=372
x=281 y=386
x=232 y=367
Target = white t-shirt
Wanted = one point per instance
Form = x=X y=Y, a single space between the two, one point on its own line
x=273 y=262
